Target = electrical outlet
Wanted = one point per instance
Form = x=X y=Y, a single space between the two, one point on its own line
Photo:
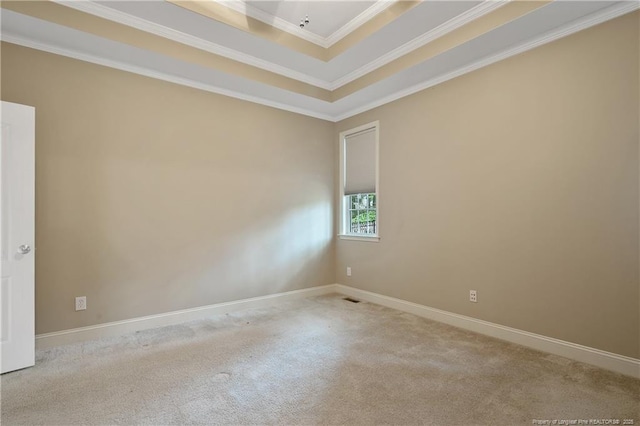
x=473 y=296
x=348 y=271
x=81 y=303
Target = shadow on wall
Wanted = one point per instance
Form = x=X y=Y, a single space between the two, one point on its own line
x=264 y=255
x=280 y=255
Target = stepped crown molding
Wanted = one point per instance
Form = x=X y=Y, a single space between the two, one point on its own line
x=408 y=48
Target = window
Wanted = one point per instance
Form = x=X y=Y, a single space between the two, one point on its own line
x=359 y=183
x=361 y=217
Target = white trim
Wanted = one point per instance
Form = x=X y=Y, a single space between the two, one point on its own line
x=158 y=75
x=608 y=360
x=595 y=19
x=370 y=238
x=123 y=18
x=343 y=135
x=364 y=17
x=603 y=359
x=96 y=9
x=470 y=15
x=117 y=328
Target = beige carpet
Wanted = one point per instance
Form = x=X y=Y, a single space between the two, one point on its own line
x=314 y=361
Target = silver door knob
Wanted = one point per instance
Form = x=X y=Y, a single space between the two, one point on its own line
x=24 y=249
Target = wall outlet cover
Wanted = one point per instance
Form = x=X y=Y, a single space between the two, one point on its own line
x=81 y=303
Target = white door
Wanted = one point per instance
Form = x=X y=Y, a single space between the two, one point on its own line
x=17 y=214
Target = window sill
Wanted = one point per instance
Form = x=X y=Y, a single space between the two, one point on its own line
x=369 y=239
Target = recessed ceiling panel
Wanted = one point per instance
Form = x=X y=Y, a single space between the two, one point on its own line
x=325 y=17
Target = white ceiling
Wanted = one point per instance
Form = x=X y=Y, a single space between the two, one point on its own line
x=325 y=17
x=425 y=23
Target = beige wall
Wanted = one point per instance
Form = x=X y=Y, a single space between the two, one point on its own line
x=152 y=197
x=519 y=180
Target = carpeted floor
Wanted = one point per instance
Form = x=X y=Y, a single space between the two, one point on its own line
x=313 y=361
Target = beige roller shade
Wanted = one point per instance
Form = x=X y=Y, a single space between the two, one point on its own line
x=360 y=162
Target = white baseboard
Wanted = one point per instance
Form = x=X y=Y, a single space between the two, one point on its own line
x=117 y=328
x=610 y=361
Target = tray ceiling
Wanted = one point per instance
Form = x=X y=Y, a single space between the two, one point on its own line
x=326 y=17
x=353 y=55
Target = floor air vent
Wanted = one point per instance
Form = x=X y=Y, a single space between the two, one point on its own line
x=348 y=299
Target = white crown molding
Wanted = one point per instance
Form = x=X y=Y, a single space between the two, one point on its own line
x=470 y=15
x=96 y=9
x=364 y=17
x=603 y=359
x=612 y=12
x=118 y=328
x=10 y=38
x=582 y=24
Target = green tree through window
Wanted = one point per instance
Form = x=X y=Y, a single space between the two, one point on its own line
x=362 y=213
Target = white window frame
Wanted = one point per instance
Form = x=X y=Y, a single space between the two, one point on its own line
x=343 y=234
